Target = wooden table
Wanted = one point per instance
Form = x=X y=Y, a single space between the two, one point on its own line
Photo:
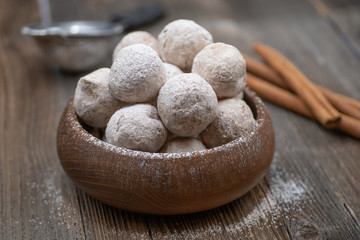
x=312 y=190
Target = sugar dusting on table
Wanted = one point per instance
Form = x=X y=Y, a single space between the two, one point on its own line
x=286 y=196
x=48 y=192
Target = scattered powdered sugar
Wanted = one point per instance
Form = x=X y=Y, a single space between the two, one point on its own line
x=50 y=201
x=288 y=192
x=287 y=195
x=202 y=233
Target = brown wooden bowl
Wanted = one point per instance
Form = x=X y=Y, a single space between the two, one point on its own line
x=166 y=183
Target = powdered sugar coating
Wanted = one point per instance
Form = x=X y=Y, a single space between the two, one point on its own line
x=223 y=66
x=187 y=104
x=136 y=127
x=181 y=144
x=171 y=70
x=181 y=40
x=135 y=38
x=137 y=74
x=234 y=118
x=240 y=95
x=93 y=102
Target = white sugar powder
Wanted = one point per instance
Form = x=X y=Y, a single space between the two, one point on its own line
x=48 y=194
x=287 y=194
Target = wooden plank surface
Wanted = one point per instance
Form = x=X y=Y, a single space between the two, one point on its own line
x=344 y=18
x=312 y=188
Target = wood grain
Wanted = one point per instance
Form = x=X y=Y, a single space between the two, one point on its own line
x=310 y=192
x=344 y=18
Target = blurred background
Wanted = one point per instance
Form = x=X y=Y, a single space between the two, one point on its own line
x=240 y=23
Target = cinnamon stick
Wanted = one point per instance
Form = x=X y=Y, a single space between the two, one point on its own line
x=320 y=107
x=290 y=101
x=342 y=103
x=277 y=95
x=350 y=126
x=263 y=71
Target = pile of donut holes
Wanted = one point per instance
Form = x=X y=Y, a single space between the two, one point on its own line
x=179 y=92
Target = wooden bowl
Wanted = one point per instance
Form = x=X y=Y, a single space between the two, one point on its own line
x=166 y=183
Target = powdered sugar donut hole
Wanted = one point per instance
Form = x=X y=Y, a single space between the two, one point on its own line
x=223 y=66
x=136 y=127
x=93 y=102
x=137 y=74
x=187 y=104
x=180 y=144
x=145 y=101
x=171 y=70
x=233 y=119
x=180 y=41
x=135 y=38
